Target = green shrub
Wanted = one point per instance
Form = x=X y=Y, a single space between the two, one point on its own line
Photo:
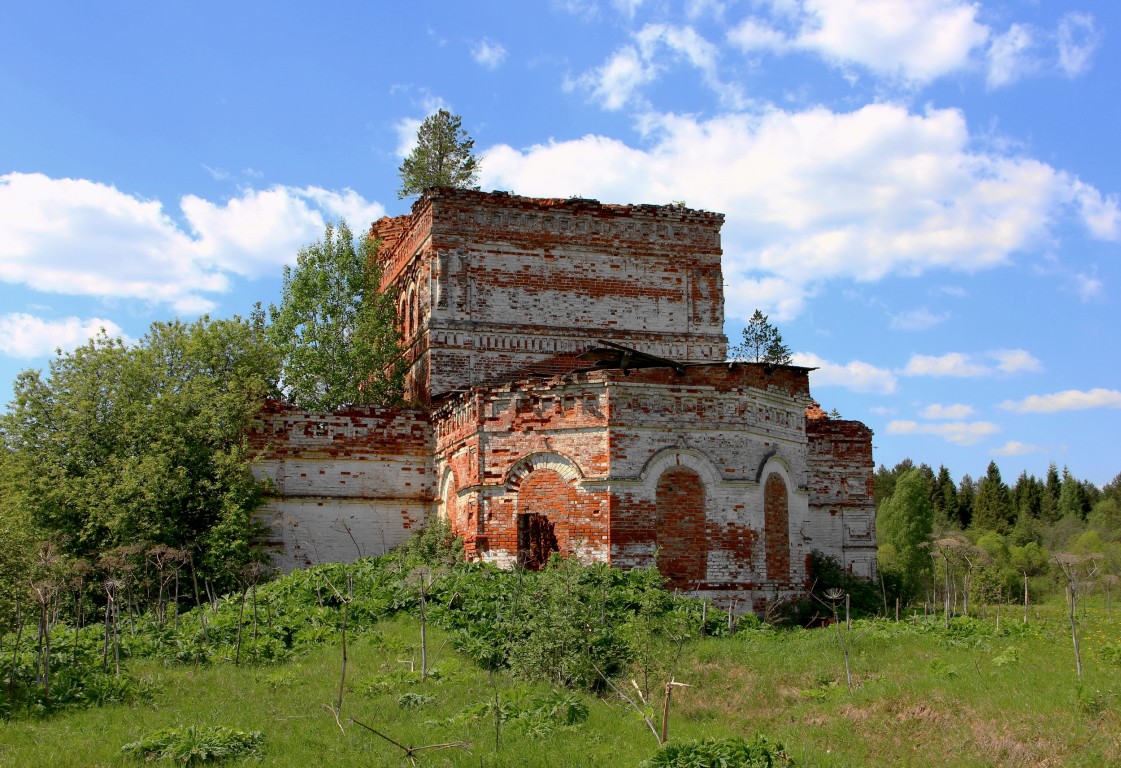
x=190 y=745
x=760 y=752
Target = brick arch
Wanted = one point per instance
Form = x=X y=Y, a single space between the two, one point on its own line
x=562 y=465
x=679 y=527
x=449 y=498
x=776 y=524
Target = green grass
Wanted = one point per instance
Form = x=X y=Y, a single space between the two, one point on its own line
x=922 y=697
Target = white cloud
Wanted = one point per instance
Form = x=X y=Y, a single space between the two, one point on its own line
x=951 y=364
x=79 y=237
x=1010 y=56
x=961 y=365
x=627 y=7
x=487 y=54
x=655 y=47
x=918 y=320
x=1016 y=448
x=1070 y=400
x=1078 y=38
x=817 y=195
x=24 y=335
x=856 y=375
x=913 y=41
x=1016 y=361
x=958 y=432
x=1088 y=286
x=956 y=412
x=407 y=127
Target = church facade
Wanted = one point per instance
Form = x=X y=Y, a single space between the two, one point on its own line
x=571 y=394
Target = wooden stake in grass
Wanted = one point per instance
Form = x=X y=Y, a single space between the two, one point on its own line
x=665 y=707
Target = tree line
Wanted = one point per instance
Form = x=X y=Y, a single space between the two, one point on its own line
x=983 y=539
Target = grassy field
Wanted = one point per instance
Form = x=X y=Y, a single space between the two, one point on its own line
x=970 y=696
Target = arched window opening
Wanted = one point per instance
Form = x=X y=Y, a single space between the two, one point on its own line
x=679 y=531
x=776 y=520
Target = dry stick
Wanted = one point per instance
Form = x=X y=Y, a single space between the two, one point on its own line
x=342 y=675
x=665 y=707
x=1025 y=597
x=410 y=752
x=15 y=648
x=630 y=701
x=240 y=618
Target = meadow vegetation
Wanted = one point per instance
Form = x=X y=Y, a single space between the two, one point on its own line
x=567 y=666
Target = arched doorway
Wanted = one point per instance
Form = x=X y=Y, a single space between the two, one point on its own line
x=544 y=504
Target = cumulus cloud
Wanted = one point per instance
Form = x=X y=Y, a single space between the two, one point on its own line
x=619 y=80
x=23 y=335
x=961 y=365
x=913 y=41
x=1016 y=448
x=958 y=432
x=956 y=412
x=855 y=375
x=80 y=237
x=819 y=195
x=488 y=54
x=1070 y=400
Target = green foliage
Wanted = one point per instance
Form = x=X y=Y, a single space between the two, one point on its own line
x=760 y=752
x=905 y=523
x=762 y=343
x=120 y=444
x=442 y=157
x=992 y=507
x=336 y=333
x=825 y=574
x=191 y=745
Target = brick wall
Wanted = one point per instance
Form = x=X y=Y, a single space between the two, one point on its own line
x=652 y=460
x=349 y=483
x=841 y=472
x=503 y=283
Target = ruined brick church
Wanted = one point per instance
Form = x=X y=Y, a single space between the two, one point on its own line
x=570 y=393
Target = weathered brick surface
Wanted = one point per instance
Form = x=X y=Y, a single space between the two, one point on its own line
x=841 y=471
x=490 y=284
x=349 y=483
x=726 y=476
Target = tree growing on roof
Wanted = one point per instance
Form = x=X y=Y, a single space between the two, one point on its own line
x=442 y=157
x=762 y=343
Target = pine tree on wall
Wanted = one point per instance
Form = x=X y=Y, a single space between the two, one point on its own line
x=762 y=343
x=442 y=157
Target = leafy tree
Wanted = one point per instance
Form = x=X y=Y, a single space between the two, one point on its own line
x=336 y=334
x=762 y=343
x=18 y=548
x=119 y=444
x=442 y=157
x=904 y=524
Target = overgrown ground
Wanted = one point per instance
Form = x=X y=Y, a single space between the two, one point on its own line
x=922 y=696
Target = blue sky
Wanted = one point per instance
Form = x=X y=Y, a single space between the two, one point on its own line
x=922 y=194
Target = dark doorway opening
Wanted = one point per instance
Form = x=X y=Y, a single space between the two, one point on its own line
x=537 y=540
